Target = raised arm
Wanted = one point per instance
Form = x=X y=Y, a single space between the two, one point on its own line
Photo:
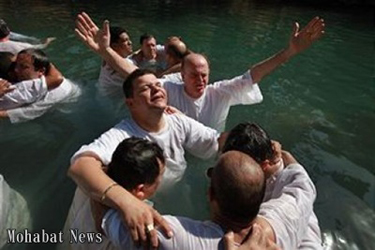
x=87 y=172
x=298 y=42
x=98 y=41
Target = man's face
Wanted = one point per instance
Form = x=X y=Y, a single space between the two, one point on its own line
x=124 y=45
x=24 y=69
x=148 y=48
x=195 y=75
x=147 y=94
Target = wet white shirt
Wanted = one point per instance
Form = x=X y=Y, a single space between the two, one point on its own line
x=212 y=108
x=288 y=212
x=25 y=92
x=65 y=92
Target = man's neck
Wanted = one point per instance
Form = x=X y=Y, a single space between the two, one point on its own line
x=4 y=39
x=154 y=122
x=240 y=230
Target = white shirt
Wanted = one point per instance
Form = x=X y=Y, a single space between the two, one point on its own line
x=213 y=106
x=25 y=92
x=288 y=212
x=65 y=92
x=179 y=133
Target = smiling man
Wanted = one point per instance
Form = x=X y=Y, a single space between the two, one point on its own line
x=146 y=100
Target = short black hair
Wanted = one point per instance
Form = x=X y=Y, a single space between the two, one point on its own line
x=4 y=29
x=134 y=162
x=250 y=139
x=145 y=36
x=127 y=86
x=115 y=32
x=40 y=59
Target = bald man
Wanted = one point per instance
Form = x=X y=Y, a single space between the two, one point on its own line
x=209 y=104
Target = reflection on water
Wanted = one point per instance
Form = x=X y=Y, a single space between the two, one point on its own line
x=320 y=105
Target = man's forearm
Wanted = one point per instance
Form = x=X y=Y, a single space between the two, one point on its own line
x=3 y=114
x=122 y=66
x=264 y=68
x=87 y=172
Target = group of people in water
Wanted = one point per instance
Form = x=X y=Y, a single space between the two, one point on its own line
x=259 y=196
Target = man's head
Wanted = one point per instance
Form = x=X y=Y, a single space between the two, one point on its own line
x=237 y=188
x=4 y=29
x=143 y=92
x=120 y=41
x=31 y=64
x=195 y=74
x=148 y=46
x=250 y=139
x=138 y=166
x=175 y=50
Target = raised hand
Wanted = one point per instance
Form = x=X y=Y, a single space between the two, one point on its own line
x=302 y=39
x=87 y=31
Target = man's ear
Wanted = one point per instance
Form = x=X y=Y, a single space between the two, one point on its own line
x=129 y=102
x=265 y=165
x=138 y=191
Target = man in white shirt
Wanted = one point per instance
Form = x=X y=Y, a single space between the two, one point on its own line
x=8 y=45
x=146 y=101
x=208 y=104
x=40 y=87
x=252 y=140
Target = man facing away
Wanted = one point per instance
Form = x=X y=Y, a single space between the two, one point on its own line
x=207 y=103
x=254 y=141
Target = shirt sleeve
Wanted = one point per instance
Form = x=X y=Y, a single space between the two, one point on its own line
x=25 y=92
x=240 y=90
x=289 y=210
x=104 y=146
x=200 y=140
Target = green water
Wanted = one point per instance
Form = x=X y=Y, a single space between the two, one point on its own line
x=321 y=105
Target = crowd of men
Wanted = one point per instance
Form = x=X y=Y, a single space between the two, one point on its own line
x=258 y=194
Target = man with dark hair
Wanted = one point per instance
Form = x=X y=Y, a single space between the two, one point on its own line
x=254 y=141
x=146 y=101
x=136 y=165
x=151 y=55
x=208 y=103
x=110 y=82
x=8 y=45
x=235 y=195
x=40 y=86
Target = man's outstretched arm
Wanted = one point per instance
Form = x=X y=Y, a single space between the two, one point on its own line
x=98 y=41
x=298 y=42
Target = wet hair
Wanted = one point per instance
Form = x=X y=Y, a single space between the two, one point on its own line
x=6 y=64
x=4 y=29
x=145 y=36
x=127 y=87
x=116 y=32
x=238 y=186
x=250 y=139
x=134 y=162
x=40 y=59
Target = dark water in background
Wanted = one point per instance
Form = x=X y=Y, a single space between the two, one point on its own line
x=321 y=105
